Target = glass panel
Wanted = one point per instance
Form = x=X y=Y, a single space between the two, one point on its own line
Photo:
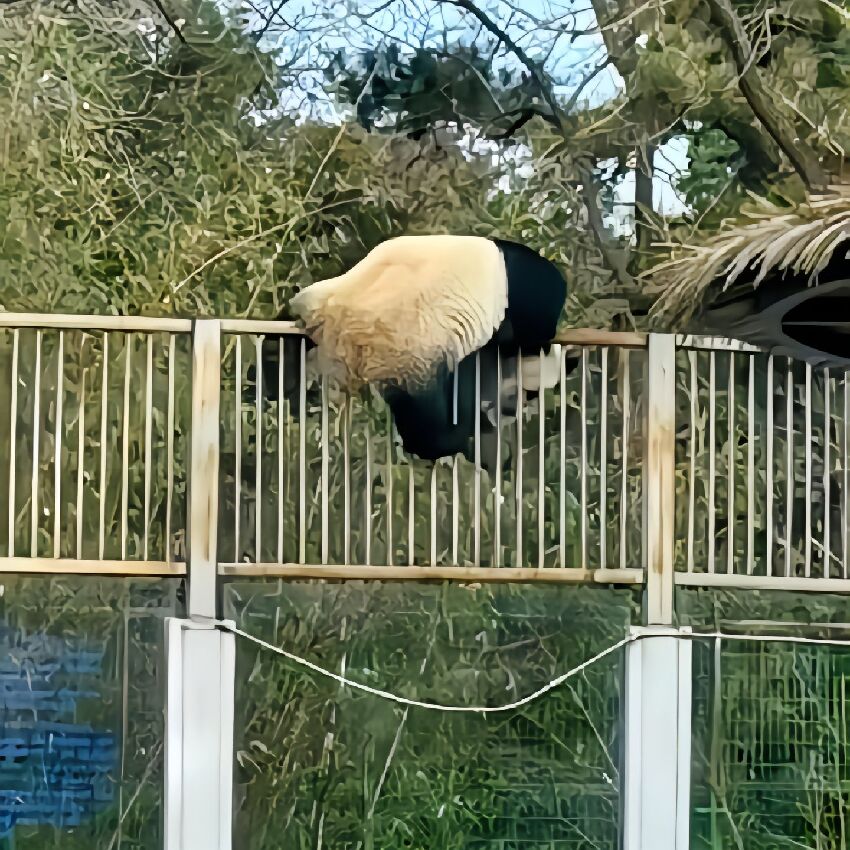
x=771 y=734
x=319 y=765
x=81 y=711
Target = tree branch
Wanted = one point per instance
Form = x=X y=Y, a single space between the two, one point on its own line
x=533 y=68
x=169 y=20
x=782 y=131
x=616 y=259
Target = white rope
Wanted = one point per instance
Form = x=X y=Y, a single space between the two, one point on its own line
x=297 y=659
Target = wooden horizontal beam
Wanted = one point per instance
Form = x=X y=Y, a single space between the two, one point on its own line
x=749 y=582
x=72 y=566
x=62 y=321
x=354 y=572
x=261 y=326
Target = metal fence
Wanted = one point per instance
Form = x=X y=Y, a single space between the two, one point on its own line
x=98 y=446
x=149 y=447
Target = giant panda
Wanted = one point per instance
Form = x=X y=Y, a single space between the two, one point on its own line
x=418 y=318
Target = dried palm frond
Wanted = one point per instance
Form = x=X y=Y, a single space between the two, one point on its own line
x=774 y=240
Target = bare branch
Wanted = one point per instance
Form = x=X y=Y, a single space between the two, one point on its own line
x=782 y=131
x=616 y=259
x=169 y=20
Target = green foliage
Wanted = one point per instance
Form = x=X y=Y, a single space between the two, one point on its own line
x=417 y=93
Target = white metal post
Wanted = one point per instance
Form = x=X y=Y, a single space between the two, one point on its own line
x=200 y=657
x=198 y=736
x=656 y=809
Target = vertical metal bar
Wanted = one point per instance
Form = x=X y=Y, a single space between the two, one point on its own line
x=692 y=451
x=497 y=478
x=203 y=496
x=455 y=510
x=237 y=478
x=769 y=470
x=324 y=469
x=659 y=504
x=845 y=492
x=712 y=364
x=169 y=493
x=476 y=493
x=389 y=488
x=808 y=447
x=789 y=465
x=258 y=469
x=346 y=479
x=148 y=440
x=520 y=412
x=434 y=515
x=103 y=417
x=81 y=460
x=583 y=471
x=13 y=439
x=281 y=424
x=827 y=435
x=411 y=518
x=454 y=395
x=541 y=471
x=731 y=461
x=57 y=447
x=751 y=464
x=368 y=499
x=125 y=443
x=627 y=412
x=603 y=461
x=36 y=433
x=302 y=457
x=562 y=464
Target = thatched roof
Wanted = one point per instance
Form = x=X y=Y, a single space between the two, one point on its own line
x=772 y=242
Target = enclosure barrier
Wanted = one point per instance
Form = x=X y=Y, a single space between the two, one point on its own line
x=151 y=447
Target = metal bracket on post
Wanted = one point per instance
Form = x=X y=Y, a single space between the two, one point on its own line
x=659 y=479
x=200 y=657
x=658 y=741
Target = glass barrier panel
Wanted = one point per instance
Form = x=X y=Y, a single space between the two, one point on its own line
x=322 y=765
x=82 y=685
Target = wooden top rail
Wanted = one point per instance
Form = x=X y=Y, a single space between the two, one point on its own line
x=64 y=321
x=143 y=324
x=572 y=336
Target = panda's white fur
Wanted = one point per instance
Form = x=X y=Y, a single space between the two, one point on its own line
x=411 y=304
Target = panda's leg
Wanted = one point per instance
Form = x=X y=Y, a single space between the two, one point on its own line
x=425 y=418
